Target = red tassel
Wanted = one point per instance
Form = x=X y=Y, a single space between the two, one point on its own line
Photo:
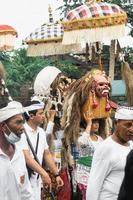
x=108 y=107
x=94 y=103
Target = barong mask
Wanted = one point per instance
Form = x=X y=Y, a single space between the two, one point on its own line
x=97 y=104
x=86 y=98
x=101 y=86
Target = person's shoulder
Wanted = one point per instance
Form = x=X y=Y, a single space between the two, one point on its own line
x=82 y=135
x=106 y=141
x=131 y=144
x=22 y=140
x=19 y=158
x=41 y=131
x=19 y=150
x=100 y=138
x=104 y=148
x=83 y=138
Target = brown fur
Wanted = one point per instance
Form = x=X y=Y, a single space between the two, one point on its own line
x=74 y=100
x=4 y=96
x=127 y=74
x=2 y=71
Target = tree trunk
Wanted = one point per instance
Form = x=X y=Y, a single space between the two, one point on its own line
x=112 y=60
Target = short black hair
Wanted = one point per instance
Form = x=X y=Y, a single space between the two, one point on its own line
x=29 y=103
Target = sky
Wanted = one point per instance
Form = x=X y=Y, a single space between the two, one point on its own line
x=27 y=15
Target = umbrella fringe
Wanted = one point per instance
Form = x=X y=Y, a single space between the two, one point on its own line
x=45 y=49
x=93 y=34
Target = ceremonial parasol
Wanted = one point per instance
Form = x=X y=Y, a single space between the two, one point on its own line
x=47 y=40
x=7 y=37
x=94 y=22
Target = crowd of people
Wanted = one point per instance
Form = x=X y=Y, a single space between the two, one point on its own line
x=32 y=165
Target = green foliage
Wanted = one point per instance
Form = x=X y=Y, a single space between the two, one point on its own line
x=4 y=56
x=128 y=51
x=22 y=70
x=69 y=69
x=69 y=5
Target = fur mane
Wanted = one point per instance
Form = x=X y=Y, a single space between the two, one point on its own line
x=74 y=100
x=4 y=95
x=127 y=74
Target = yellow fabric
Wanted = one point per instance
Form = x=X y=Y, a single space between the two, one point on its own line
x=47 y=40
x=104 y=21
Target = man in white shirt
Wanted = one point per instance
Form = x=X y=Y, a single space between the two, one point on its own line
x=109 y=159
x=14 y=182
x=37 y=136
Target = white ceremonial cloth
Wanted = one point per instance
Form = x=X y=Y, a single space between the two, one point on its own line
x=107 y=170
x=42 y=146
x=13 y=108
x=34 y=106
x=125 y=113
x=14 y=182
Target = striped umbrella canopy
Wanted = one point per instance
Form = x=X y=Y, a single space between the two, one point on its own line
x=47 y=40
x=93 y=22
x=7 y=37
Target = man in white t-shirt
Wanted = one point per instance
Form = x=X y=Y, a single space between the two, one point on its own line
x=14 y=182
x=37 y=136
x=109 y=159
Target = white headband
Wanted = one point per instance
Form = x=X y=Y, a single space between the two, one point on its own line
x=125 y=113
x=35 y=106
x=13 y=108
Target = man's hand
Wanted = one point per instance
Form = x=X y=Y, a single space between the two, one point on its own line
x=59 y=181
x=51 y=115
x=46 y=179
